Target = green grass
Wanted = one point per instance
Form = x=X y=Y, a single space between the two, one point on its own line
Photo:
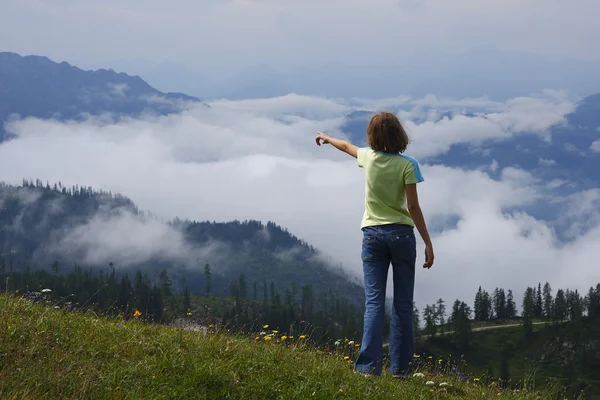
x=48 y=353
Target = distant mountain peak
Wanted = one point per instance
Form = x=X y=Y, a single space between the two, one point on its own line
x=36 y=86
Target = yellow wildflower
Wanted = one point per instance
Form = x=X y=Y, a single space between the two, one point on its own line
x=137 y=313
x=265 y=326
x=346 y=340
x=302 y=337
x=476 y=379
x=357 y=345
x=346 y=358
x=283 y=337
x=341 y=390
x=268 y=338
x=291 y=337
x=275 y=331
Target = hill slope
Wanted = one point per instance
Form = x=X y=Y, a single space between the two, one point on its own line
x=35 y=86
x=50 y=353
x=42 y=225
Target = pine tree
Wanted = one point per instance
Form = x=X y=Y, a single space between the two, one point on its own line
x=429 y=317
x=560 y=306
x=478 y=305
x=592 y=302
x=461 y=324
x=165 y=283
x=207 y=278
x=499 y=303
x=416 y=321
x=539 y=304
x=548 y=302
x=529 y=309
x=511 y=307
x=441 y=314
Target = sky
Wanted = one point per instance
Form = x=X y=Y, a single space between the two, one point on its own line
x=257 y=159
x=187 y=45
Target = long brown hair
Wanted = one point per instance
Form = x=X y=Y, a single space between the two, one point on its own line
x=386 y=134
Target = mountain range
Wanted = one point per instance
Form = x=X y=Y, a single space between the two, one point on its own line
x=35 y=86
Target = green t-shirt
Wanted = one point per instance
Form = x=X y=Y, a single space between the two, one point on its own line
x=386 y=177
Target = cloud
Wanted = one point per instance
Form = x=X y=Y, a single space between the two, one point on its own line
x=524 y=115
x=595 y=146
x=545 y=162
x=126 y=239
x=257 y=160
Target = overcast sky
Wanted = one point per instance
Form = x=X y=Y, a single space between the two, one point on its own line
x=215 y=37
x=256 y=159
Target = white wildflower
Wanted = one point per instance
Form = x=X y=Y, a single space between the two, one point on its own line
x=419 y=375
x=338 y=342
x=430 y=383
x=351 y=343
x=46 y=290
x=443 y=384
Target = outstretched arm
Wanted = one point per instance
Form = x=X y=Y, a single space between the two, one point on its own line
x=341 y=145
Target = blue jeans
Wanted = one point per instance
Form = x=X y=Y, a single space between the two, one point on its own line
x=382 y=245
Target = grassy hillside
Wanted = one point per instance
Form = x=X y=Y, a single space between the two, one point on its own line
x=48 y=352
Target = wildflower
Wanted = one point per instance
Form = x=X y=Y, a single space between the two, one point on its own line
x=256 y=338
x=268 y=338
x=443 y=384
x=137 y=313
x=430 y=383
x=283 y=337
x=341 y=390
x=291 y=337
x=476 y=379
x=440 y=361
x=346 y=358
x=346 y=340
x=265 y=326
x=46 y=290
x=275 y=331
x=357 y=345
x=350 y=343
x=189 y=314
x=302 y=336
x=419 y=375
x=416 y=356
x=430 y=357
x=338 y=342
x=263 y=333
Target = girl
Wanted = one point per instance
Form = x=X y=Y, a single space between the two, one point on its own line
x=392 y=211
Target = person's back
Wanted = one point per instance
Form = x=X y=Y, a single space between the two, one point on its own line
x=386 y=177
x=391 y=212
